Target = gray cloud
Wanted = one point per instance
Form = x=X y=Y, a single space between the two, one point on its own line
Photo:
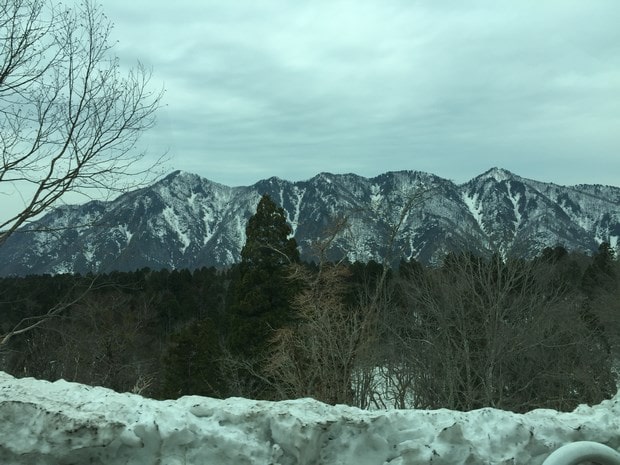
x=278 y=87
x=284 y=88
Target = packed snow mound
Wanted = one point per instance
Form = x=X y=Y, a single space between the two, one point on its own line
x=61 y=422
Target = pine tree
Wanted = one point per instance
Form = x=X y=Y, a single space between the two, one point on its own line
x=600 y=276
x=268 y=242
x=599 y=280
x=260 y=294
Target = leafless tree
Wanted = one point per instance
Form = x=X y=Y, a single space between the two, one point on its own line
x=332 y=352
x=104 y=338
x=69 y=118
x=606 y=307
x=317 y=354
x=497 y=333
x=382 y=378
x=259 y=384
x=76 y=294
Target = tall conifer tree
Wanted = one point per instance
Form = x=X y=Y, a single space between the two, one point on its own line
x=260 y=293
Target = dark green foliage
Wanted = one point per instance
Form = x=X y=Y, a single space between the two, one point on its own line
x=268 y=243
x=105 y=338
x=537 y=333
x=182 y=296
x=114 y=336
x=566 y=269
x=260 y=293
x=600 y=281
x=601 y=274
x=192 y=362
x=553 y=255
x=363 y=280
x=259 y=300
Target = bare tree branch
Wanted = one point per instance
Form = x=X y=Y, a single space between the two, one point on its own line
x=69 y=119
x=29 y=323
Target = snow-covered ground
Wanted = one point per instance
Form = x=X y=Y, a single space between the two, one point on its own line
x=66 y=423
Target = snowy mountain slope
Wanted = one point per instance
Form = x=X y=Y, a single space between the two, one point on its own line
x=519 y=216
x=51 y=423
x=185 y=221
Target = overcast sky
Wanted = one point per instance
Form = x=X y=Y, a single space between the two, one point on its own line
x=290 y=88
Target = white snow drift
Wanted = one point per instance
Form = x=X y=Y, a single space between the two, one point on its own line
x=62 y=423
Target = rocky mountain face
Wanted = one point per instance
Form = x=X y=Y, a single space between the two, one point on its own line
x=185 y=221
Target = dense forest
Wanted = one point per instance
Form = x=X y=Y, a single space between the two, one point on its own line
x=468 y=333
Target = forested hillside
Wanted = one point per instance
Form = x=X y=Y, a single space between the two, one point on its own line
x=473 y=332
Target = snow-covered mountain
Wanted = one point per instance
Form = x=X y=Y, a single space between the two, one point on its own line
x=185 y=221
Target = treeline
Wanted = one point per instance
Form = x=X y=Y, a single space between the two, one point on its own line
x=470 y=333
x=112 y=330
x=161 y=333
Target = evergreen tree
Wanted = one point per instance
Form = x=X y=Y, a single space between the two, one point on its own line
x=260 y=292
x=603 y=265
x=599 y=280
x=268 y=243
x=600 y=274
x=191 y=363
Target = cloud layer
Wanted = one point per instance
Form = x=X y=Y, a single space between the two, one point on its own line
x=284 y=88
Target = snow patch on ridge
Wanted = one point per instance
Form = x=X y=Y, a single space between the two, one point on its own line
x=515 y=199
x=207 y=220
x=376 y=197
x=498 y=174
x=474 y=206
x=89 y=252
x=299 y=197
x=191 y=200
x=124 y=230
x=173 y=220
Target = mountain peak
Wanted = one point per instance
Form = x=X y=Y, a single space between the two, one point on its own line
x=176 y=177
x=498 y=174
x=187 y=179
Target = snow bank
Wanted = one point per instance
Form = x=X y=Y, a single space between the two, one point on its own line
x=62 y=423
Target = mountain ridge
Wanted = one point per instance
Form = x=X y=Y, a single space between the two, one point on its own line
x=186 y=221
